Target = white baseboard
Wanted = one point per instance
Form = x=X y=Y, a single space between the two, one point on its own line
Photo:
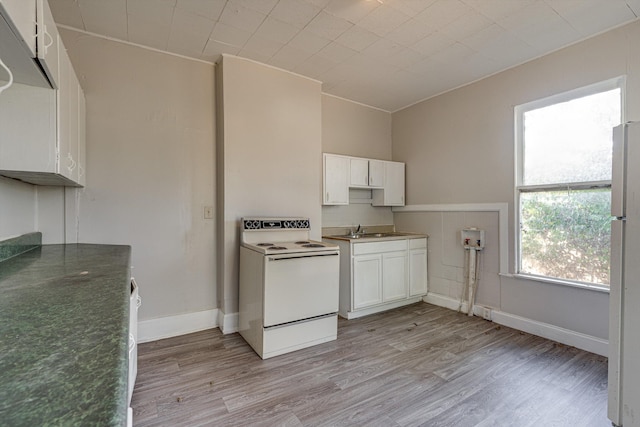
x=541 y=329
x=172 y=326
x=228 y=323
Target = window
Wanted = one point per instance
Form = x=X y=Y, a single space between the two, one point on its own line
x=563 y=183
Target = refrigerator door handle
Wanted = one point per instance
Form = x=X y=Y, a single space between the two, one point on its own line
x=618 y=171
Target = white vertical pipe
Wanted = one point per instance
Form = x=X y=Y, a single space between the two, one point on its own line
x=472 y=279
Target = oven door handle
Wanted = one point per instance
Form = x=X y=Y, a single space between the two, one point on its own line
x=310 y=255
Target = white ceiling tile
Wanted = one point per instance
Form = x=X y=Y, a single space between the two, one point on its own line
x=351 y=10
x=441 y=13
x=453 y=53
x=411 y=7
x=466 y=25
x=189 y=33
x=383 y=20
x=242 y=17
x=289 y=57
x=410 y=32
x=273 y=29
x=264 y=6
x=593 y=16
x=145 y=31
x=308 y=42
x=433 y=43
x=162 y=14
x=214 y=49
x=320 y=4
x=256 y=56
x=357 y=38
x=498 y=9
x=263 y=46
x=383 y=48
x=67 y=12
x=108 y=18
x=210 y=9
x=315 y=66
x=294 y=12
x=328 y=26
x=226 y=34
x=634 y=5
x=337 y=52
x=405 y=58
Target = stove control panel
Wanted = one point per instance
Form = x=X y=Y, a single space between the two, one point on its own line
x=275 y=223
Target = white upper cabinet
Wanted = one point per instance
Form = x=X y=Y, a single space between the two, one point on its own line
x=42 y=131
x=366 y=173
x=28 y=32
x=48 y=43
x=21 y=16
x=335 y=173
x=384 y=178
x=392 y=193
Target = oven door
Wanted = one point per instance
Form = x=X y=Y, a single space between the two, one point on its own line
x=300 y=286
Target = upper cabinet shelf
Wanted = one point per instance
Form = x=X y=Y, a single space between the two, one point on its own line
x=384 y=178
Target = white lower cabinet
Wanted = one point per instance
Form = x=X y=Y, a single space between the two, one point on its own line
x=367 y=280
x=417 y=267
x=394 y=276
x=380 y=275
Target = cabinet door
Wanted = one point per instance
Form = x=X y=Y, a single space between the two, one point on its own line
x=336 y=180
x=22 y=14
x=376 y=173
x=359 y=172
x=48 y=43
x=394 y=183
x=82 y=138
x=394 y=276
x=417 y=272
x=367 y=281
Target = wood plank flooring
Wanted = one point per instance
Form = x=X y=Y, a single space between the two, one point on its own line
x=418 y=365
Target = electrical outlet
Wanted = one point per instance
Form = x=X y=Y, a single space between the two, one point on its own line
x=486 y=313
x=208 y=212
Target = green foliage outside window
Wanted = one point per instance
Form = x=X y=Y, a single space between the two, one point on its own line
x=566 y=234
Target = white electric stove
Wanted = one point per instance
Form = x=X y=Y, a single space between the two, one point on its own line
x=288 y=286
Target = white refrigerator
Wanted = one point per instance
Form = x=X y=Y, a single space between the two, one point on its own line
x=624 y=297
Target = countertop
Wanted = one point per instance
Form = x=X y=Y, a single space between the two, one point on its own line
x=64 y=314
x=393 y=236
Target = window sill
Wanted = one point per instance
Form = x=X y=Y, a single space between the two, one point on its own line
x=548 y=280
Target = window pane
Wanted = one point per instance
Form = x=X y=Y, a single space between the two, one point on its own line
x=566 y=234
x=570 y=141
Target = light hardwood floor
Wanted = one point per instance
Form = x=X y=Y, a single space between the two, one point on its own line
x=418 y=365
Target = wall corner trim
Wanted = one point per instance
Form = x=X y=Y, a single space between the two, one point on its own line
x=503 y=220
x=228 y=323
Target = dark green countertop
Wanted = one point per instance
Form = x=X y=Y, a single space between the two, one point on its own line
x=64 y=322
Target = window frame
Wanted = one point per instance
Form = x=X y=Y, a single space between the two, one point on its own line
x=519 y=187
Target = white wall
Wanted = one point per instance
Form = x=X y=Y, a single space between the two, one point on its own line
x=272 y=155
x=150 y=168
x=357 y=130
x=459 y=148
x=17 y=208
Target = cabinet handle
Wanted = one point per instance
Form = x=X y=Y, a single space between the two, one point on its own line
x=132 y=342
x=47 y=45
x=327 y=199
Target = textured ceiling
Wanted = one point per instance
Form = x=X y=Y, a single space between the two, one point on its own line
x=385 y=53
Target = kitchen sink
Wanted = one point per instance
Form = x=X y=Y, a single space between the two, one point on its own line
x=372 y=235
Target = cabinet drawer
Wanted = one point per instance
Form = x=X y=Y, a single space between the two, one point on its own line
x=417 y=243
x=378 y=247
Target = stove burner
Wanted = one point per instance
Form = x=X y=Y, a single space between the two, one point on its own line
x=302 y=242
x=264 y=244
x=277 y=248
x=313 y=245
